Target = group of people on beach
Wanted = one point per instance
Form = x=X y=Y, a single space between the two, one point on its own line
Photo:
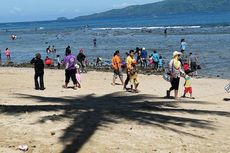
x=131 y=70
x=184 y=66
x=72 y=65
x=181 y=65
x=153 y=60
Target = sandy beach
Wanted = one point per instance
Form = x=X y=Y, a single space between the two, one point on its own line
x=101 y=118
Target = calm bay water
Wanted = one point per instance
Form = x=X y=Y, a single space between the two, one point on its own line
x=207 y=35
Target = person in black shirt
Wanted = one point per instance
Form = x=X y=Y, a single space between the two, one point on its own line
x=39 y=71
x=81 y=59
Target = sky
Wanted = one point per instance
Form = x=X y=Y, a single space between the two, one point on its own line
x=40 y=10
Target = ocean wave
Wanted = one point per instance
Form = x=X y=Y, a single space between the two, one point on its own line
x=148 y=28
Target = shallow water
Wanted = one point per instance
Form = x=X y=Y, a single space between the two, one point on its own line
x=210 y=43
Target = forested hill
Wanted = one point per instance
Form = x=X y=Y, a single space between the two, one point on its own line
x=164 y=8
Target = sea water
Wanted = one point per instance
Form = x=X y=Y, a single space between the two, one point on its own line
x=207 y=36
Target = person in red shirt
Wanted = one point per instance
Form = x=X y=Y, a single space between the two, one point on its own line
x=186 y=66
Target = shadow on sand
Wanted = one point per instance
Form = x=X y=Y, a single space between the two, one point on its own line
x=90 y=112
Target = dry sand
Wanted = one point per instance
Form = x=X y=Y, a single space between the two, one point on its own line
x=100 y=118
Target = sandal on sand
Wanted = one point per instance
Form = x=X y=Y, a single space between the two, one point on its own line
x=177 y=99
x=135 y=91
x=64 y=86
x=192 y=97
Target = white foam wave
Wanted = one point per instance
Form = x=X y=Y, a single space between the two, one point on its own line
x=148 y=28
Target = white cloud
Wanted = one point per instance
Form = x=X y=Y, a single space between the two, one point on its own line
x=117 y=6
x=76 y=10
x=62 y=10
x=16 y=10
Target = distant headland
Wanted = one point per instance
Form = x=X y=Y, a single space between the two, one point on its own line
x=165 y=7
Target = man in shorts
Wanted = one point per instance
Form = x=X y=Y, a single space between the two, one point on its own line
x=116 y=65
x=70 y=70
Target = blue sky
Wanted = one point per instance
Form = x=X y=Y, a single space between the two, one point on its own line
x=38 y=10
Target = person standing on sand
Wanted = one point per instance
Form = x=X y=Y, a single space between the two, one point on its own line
x=70 y=69
x=116 y=65
x=81 y=59
x=39 y=71
x=175 y=71
x=129 y=61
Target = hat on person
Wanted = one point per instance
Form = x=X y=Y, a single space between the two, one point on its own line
x=143 y=48
x=77 y=66
x=175 y=53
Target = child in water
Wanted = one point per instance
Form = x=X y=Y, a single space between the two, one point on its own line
x=78 y=75
x=187 y=84
x=7 y=53
x=58 y=62
x=160 y=64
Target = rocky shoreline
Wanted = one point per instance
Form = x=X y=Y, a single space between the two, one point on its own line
x=104 y=68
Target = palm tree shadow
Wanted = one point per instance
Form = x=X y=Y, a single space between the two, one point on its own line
x=88 y=113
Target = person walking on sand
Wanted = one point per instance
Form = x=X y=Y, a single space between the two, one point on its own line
x=133 y=78
x=81 y=59
x=39 y=72
x=116 y=65
x=70 y=69
x=129 y=61
x=187 y=84
x=175 y=71
x=78 y=75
